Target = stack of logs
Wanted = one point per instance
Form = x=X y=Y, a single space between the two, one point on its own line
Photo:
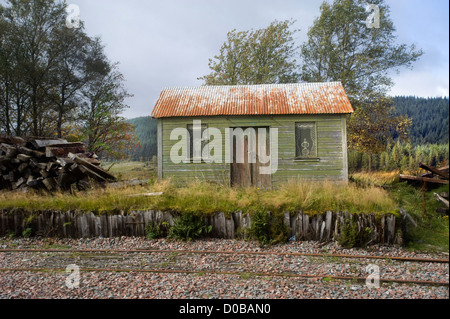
x=48 y=163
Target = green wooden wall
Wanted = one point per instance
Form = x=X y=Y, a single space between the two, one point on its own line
x=331 y=148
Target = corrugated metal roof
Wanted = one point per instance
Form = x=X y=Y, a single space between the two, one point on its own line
x=269 y=99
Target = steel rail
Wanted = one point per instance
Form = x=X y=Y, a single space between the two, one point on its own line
x=213 y=272
x=161 y=251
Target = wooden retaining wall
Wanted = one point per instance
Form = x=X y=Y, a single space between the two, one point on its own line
x=75 y=224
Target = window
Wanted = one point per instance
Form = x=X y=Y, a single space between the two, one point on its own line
x=305 y=140
x=200 y=144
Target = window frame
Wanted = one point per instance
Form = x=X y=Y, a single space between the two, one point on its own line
x=313 y=157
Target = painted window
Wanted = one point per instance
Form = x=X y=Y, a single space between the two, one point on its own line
x=305 y=140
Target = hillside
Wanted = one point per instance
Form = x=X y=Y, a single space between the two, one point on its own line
x=430 y=118
x=430 y=124
x=146 y=131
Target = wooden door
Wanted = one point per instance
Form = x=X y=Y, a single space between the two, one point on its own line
x=248 y=174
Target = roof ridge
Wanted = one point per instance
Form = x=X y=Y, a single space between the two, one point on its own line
x=249 y=85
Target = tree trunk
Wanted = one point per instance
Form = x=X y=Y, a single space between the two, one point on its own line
x=7 y=109
x=370 y=162
x=61 y=113
x=34 y=111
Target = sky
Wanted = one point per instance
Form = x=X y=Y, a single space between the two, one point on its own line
x=168 y=43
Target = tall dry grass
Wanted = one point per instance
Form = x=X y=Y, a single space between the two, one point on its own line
x=207 y=198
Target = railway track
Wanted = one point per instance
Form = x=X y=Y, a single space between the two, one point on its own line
x=331 y=258
x=209 y=252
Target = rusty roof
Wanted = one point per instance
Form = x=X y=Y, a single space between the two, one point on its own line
x=267 y=99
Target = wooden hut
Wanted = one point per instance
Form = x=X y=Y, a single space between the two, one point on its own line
x=290 y=131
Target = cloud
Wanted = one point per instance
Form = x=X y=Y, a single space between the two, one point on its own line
x=168 y=43
x=421 y=84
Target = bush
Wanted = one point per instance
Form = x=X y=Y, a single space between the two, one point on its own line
x=268 y=229
x=350 y=237
x=348 y=234
x=27 y=233
x=159 y=230
x=189 y=227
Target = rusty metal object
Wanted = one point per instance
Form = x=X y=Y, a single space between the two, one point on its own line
x=231 y=273
x=164 y=251
x=269 y=99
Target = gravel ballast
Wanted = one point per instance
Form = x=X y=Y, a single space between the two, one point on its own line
x=248 y=281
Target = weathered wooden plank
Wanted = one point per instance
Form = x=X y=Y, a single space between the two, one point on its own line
x=441 y=199
x=218 y=223
x=43 y=142
x=105 y=175
x=23 y=157
x=91 y=174
x=50 y=183
x=328 y=224
x=306 y=227
x=10 y=151
x=30 y=152
x=19 y=182
x=390 y=229
x=22 y=167
x=424 y=179
x=434 y=170
x=12 y=140
x=299 y=232
x=62 y=150
x=50 y=223
x=229 y=228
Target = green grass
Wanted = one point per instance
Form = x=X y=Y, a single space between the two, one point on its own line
x=432 y=232
x=131 y=170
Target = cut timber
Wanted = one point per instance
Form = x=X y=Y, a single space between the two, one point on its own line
x=43 y=142
x=22 y=167
x=43 y=163
x=62 y=150
x=441 y=199
x=12 y=140
x=423 y=179
x=64 y=161
x=19 y=182
x=32 y=182
x=443 y=169
x=10 y=151
x=65 y=179
x=91 y=173
x=12 y=176
x=30 y=152
x=44 y=173
x=49 y=166
x=50 y=184
x=23 y=157
x=92 y=167
x=94 y=161
x=434 y=170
